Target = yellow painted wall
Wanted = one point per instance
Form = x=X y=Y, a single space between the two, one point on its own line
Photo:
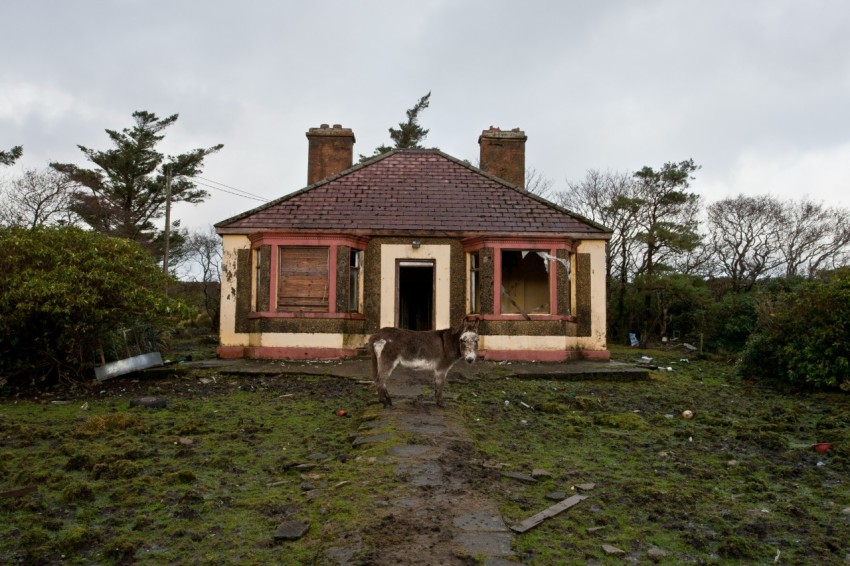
x=227 y=333
x=441 y=254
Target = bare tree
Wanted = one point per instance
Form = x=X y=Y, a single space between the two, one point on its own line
x=745 y=238
x=39 y=197
x=606 y=197
x=537 y=184
x=203 y=252
x=813 y=237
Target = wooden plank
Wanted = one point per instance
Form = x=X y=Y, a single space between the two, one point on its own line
x=555 y=509
x=20 y=492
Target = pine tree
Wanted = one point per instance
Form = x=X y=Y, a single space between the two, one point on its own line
x=409 y=135
x=126 y=192
x=9 y=157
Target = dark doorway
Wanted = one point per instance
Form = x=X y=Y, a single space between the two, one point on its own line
x=415 y=306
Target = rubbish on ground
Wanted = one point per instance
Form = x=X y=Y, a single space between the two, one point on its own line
x=556 y=509
x=608 y=549
x=524 y=404
x=684 y=360
x=690 y=347
x=688 y=414
x=342 y=413
x=821 y=447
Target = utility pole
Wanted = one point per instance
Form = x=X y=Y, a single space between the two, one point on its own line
x=167 y=217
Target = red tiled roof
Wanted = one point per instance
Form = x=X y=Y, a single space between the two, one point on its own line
x=413 y=191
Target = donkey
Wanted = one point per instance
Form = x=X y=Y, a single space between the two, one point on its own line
x=436 y=350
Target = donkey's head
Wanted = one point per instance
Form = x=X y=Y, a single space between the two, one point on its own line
x=469 y=340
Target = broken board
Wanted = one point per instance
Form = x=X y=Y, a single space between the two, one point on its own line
x=555 y=509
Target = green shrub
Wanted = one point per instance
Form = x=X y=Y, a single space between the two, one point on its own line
x=802 y=334
x=62 y=288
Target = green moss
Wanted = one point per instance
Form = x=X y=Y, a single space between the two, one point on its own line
x=78 y=492
x=627 y=421
x=76 y=537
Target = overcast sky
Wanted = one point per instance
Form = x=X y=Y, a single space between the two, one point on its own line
x=756 y=92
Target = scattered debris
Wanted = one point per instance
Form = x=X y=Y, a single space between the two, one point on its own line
x=524 y=404
x=148 y=401
x=687 y=414
x=184 y=441
x=689 y=347
x=821 y=447
x=556 y=509
x=591 y=530
x=84 y=406
x=585 y=486
x=611 y=550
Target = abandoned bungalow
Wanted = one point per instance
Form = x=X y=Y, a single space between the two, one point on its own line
x=414 y=239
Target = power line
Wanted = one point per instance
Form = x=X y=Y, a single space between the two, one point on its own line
x=232 y=188
x=261 y=199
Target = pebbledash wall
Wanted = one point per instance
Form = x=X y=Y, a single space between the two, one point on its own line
x=581 y=335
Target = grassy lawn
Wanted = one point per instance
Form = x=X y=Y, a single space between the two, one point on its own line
x=738 y=482
x=204 y=481
x=208 y=479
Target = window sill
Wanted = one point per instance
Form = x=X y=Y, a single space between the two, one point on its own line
x=513 y=316
x=318 y=315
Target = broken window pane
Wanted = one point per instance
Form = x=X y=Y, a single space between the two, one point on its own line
x=525 y=282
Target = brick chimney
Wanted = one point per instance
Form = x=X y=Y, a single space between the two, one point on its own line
x=331 y=150
x=503 y=154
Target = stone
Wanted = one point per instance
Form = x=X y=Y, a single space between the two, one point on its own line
x=612 y=550
x=656 y=554
x=585 y=486
x=556 y=495
x=291 y=530
x=540 y=473
x=372 y=439
x=519 y=476
x=185 y=441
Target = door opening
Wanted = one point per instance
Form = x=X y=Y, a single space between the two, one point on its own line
x=415 y=295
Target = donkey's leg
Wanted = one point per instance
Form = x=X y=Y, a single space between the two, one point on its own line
x=439 y=382
x=385 y=368
x=380 y=372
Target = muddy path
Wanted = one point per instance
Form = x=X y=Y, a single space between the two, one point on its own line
x=440 y=514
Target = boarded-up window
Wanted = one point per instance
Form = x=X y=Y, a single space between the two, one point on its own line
x=304 y=284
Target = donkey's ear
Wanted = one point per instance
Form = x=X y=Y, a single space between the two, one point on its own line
x=471 y=324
